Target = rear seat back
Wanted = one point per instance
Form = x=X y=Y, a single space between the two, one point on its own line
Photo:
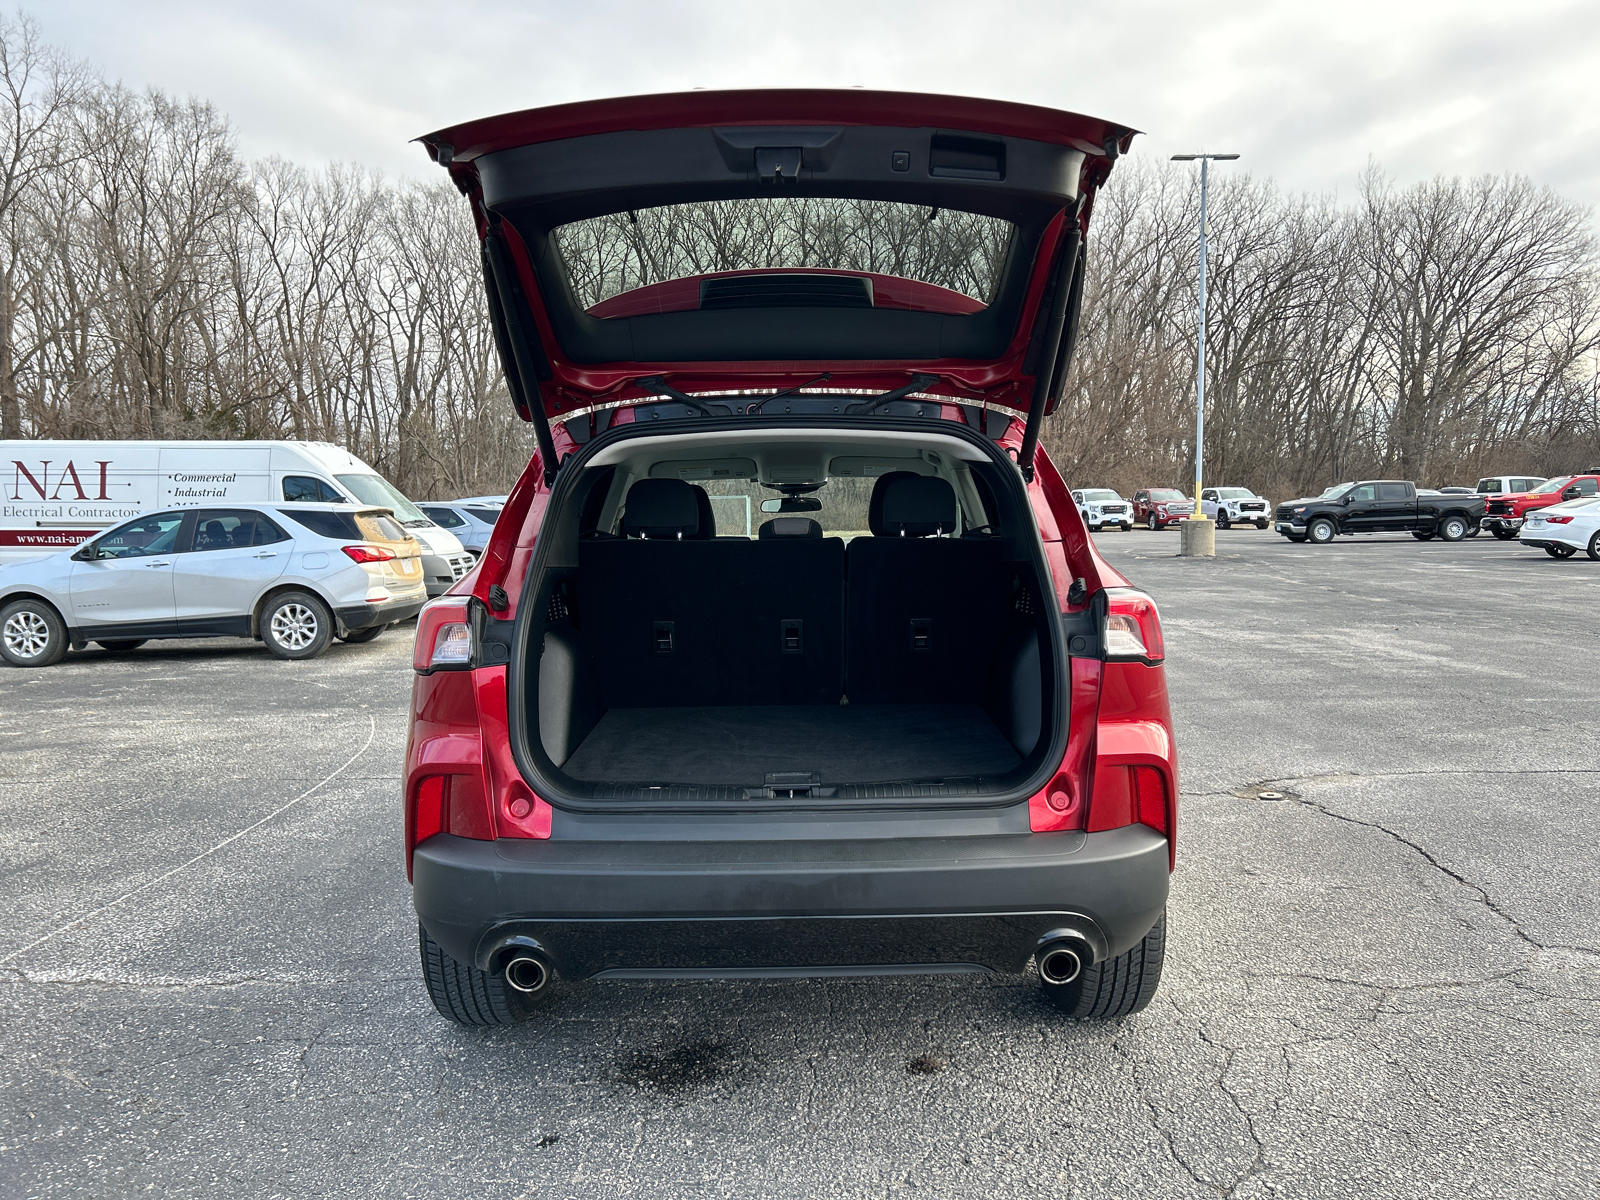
x=675 y=620
x=926 y=612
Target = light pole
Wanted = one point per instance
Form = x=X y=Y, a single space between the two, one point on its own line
x=1200 y=369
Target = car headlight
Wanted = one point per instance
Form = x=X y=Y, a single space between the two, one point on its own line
x=1300 y=510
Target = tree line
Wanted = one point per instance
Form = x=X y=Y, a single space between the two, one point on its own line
x=153 y=283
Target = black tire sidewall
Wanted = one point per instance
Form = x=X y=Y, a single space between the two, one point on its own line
x=1450 y=523
x=360 y=636
x=1593 y=548
x=324 y=619
x=1321 y=523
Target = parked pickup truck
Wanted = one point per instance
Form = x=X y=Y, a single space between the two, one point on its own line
x=1379 y=506
x=1235 y=506
x=1503 y=515
x=1157 y=508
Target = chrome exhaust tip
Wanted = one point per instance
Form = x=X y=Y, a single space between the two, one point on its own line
x=1061 y=962
x=527 y=974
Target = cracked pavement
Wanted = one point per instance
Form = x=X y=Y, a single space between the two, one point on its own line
x=1384 y=985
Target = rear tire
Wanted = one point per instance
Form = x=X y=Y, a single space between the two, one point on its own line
x=1561 y=551
x=466 y=995
x=122 y=645
x=1475 y=531
x=32 y=634
x=1222 y=520
x=1422 y=535
x=1321 y=531
x=359 y=636
x=296 y=625
x=1118 y=987
x=1503 y=534
x=1453 y=528
x=1593 y=550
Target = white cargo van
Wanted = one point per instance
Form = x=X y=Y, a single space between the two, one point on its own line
x=54 y=495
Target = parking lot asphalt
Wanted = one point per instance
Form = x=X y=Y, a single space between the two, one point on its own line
x=1384 y=984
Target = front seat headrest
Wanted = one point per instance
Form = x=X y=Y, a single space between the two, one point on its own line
x=789 y=527
x=661 y=509
x=918 y=506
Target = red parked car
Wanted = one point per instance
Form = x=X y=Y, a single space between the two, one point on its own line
x=642 y=749
x=1156 y=508
x=1503 y=515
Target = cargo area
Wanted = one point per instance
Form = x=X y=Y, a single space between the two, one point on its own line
x=911 y=659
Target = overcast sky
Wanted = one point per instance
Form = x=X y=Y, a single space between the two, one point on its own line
x=1307 y=92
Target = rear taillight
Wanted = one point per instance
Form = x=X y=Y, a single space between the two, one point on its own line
x=444 y=637
x=1557 y=520
x=1133 y=627
x=369 y=554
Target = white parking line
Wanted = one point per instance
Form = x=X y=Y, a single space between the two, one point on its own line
x=372 y=733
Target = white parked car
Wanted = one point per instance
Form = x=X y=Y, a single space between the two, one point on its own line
x=1235 y=506
x=1102 y=507
x=293 y=576
x=1561 y=530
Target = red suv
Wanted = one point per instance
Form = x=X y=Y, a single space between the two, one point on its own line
x=651 y=739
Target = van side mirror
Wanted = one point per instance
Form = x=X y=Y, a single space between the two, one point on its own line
x=88 y=552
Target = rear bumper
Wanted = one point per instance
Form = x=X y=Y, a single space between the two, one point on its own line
x=365 y=616
x=852 y=906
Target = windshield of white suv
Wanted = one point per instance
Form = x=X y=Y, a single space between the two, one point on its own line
x=1100 y=496
x=375 y=489
x=1235 y=494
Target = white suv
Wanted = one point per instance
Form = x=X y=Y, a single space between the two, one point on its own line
x=293 y=576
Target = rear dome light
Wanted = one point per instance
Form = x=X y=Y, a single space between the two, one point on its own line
x=1133 y=628
x=369 y=554
x=444 y=637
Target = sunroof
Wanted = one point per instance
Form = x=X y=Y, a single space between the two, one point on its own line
x=610 y=255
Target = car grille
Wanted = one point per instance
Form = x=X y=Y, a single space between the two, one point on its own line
x=1247 y=507
x=1498 y=508
x=459 y=566
x=1113 y=508
x=1285 y=511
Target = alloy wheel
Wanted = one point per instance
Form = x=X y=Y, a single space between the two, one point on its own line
x=294 y=626
x=26 y=634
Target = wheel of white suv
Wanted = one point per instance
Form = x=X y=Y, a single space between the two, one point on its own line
x=1118 y=987
x=1222 y=519
x=1321 y=531
x=31 y=634
x=296 y=625
x=1593 y=548
x=1453 y=529
x=468 y=996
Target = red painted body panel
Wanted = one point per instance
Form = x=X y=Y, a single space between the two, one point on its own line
x=1518 y=504
x=888 y=291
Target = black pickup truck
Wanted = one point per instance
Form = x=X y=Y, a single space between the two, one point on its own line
x=1380 y=506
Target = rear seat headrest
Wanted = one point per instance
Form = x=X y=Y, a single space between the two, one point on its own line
x=661 y=508
x=916 y=506
x=708 y=519
x=789 y=527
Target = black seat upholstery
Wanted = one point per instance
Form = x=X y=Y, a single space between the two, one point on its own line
x=926 y=612
x=789 y=527
x=676 y=619
x=708 y=519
